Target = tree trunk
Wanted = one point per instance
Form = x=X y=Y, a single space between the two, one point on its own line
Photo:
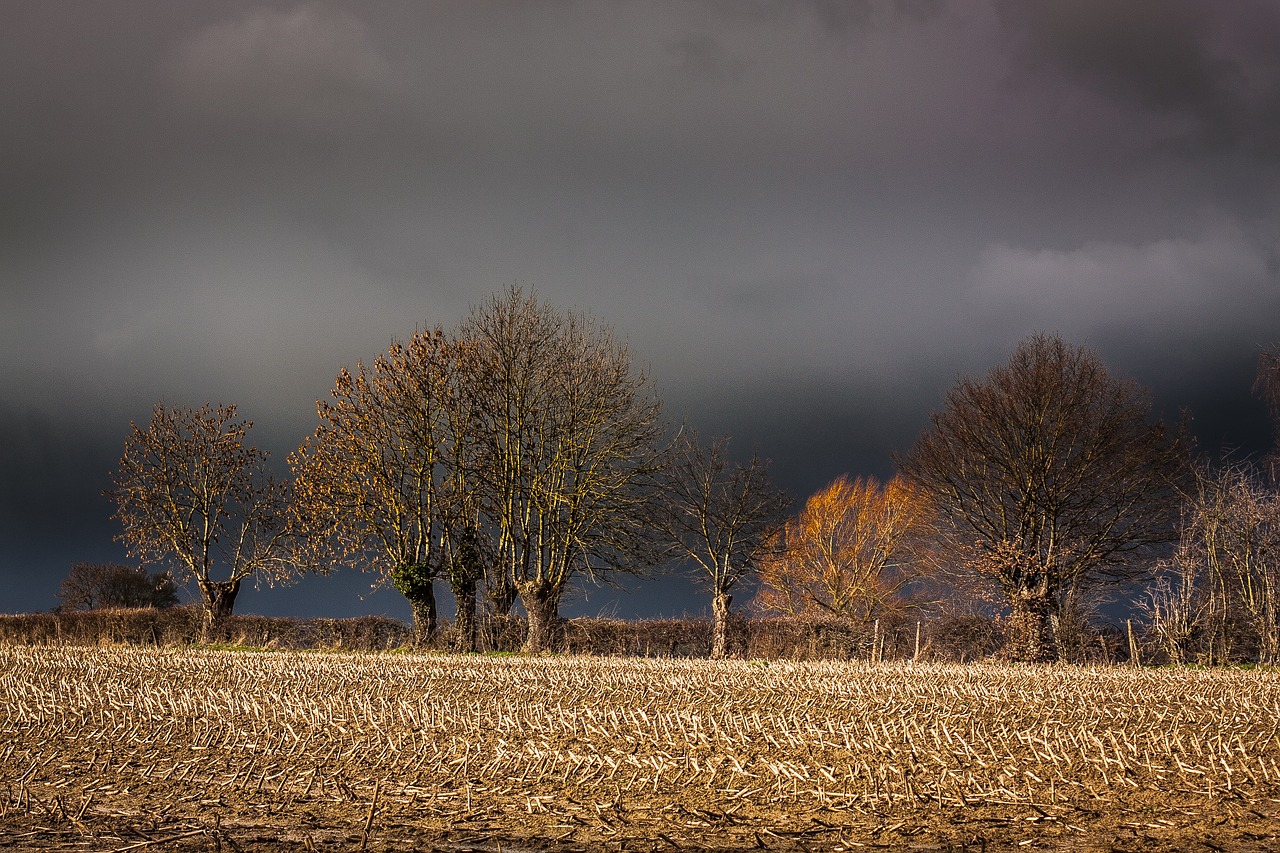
x=219 y=602
x=720 y=625
x=416 y=582
x=1031 y=637
x=542 y=603
x=464 y=597
x=424 y=616
x=501 y=594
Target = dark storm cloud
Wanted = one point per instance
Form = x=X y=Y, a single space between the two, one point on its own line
x=808 y=219
x=1215 y=63
x=1151 y=50
x=42 y=469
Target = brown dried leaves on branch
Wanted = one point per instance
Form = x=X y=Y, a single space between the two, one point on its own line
x=382 y=483
x=520 y=448
x=191 y=493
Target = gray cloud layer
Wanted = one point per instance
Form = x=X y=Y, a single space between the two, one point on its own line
x=807 y=218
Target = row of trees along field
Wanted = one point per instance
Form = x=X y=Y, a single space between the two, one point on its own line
x=522 y=450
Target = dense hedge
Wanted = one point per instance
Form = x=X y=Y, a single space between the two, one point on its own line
x=182 y=625
x=958 y=638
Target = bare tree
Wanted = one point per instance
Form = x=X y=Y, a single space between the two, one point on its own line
x=1175 y=611
x=189 y=491
x=94 y=586
x=1215 y=600
x=567 y=435
x=1052 y=473
x=380 y=484
x=720 y=515
x=1219 y=597
x=1248 y=555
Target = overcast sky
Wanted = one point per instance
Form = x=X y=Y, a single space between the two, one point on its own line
x=807 y=219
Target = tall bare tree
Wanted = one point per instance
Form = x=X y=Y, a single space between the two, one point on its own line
x=191 y=493
x=568 y=433
x=721 y=516
x=1056 y=474
x=377 y=484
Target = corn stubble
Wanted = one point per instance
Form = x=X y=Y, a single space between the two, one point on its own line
x=117 y=747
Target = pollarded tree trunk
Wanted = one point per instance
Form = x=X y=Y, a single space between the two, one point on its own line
x=424 y=618
x=720 y=625
x=417 y=584
x=1031 y=637
x=219 y=602
x=464 y=597
x=542 y=603
x=466 y=566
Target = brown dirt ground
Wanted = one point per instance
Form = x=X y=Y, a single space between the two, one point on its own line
x=173 y=816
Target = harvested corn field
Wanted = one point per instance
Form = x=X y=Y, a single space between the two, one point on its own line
x=117 y=748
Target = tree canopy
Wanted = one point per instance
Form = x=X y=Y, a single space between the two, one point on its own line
x=721 y=516
x=190 y=492
x=376 y=483
x=849 y=551
x=567 y=436
x=95 y=586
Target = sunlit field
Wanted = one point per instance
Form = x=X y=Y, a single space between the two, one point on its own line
x=114 y=748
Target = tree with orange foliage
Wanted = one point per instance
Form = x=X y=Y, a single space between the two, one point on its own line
x=846 y=553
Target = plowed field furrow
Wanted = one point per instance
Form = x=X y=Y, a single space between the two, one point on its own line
x=106 y=747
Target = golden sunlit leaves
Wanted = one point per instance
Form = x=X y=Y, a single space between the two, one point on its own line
x=844 y=554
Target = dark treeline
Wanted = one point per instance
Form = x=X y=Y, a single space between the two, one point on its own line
x=521 y=453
